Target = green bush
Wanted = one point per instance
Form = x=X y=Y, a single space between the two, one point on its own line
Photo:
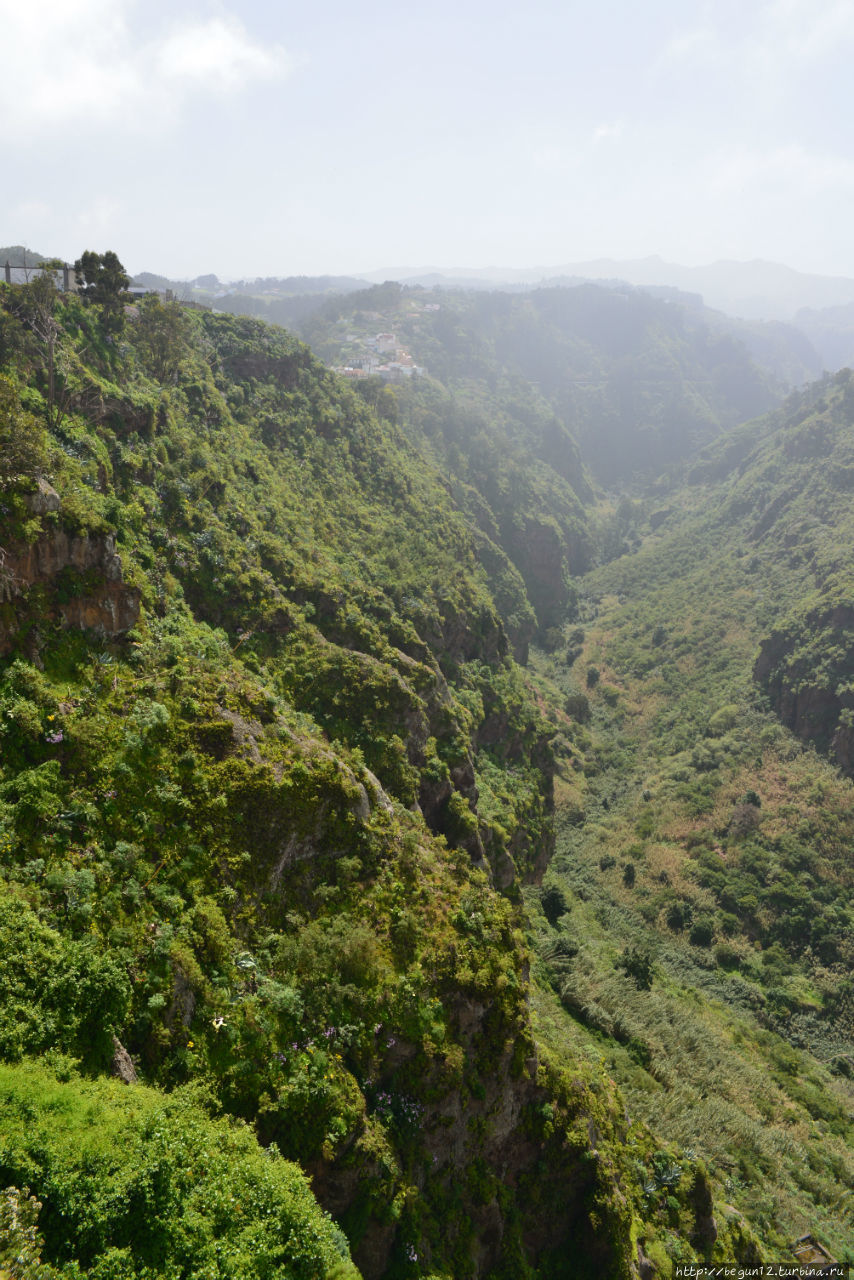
x=702 y=932
x=554 y=903
x=135 y=1185
x=726 y=956
x=636 y=963
x=679 y=915
x=54 y=992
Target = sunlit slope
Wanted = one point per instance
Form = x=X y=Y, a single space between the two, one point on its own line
x=270 y=781
x=703 y=851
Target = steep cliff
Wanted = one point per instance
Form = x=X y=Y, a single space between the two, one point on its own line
x=57 y=574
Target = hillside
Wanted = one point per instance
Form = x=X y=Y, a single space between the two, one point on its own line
x=486 y=907
x=639 y=382
x=703 y=857
x=19 y=256
x=271 y=781
x=753 y=290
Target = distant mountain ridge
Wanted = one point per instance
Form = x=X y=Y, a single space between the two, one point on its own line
x=17 y=255
x=754 y=290
x=746 y=292
x=818 y=307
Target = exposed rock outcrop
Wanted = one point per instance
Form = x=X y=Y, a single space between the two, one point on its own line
x=811 y=686
x=496 y=1132
x=122 y=1065
x=80 y=573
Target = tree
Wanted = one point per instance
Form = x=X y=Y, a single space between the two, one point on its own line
x=23 y=446
x=101 y=278
x=554 y=903
x=637 y=963
x=35 y=305
x=162 y=336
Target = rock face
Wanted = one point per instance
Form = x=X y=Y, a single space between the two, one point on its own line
x=540 y=552
x=80 y=574
x=122 y=1065
x=807 y=671
x=494 y=1132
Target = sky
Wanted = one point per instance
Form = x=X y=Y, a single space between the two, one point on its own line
x=247 y=138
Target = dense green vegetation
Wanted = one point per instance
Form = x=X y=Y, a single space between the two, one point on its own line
x=529 y=395
x=703 y=858
x=291 y=828
x=251 y=840
x=137 y=1184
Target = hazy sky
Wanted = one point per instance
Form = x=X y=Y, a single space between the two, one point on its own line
x=248 y=137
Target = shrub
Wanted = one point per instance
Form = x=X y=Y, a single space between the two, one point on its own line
x=640 y=1052
x=702 y=933
x=20 y=1240
x=679 y=916
x=554 y=903
x=645 y=825
x=637 y=964
x=55 y=993
x=726 y=956
x=23 y=442
x=722 y=720
x=139 y=1185
x=577 y=706
x=745 y=818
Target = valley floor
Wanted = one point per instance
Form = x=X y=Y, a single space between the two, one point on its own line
x=724 y=1045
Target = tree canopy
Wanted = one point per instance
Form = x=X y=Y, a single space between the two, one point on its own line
x=102 y=279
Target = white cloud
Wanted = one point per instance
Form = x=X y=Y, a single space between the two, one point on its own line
x=700 y=44
x=31 y=211
x=94 y=63
x=219 y=52
x=804 y=30
x=550 y=158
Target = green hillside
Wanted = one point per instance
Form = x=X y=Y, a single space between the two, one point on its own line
x=528 y=401
x=416 y=948
x=703 y=853
x=267 y=761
